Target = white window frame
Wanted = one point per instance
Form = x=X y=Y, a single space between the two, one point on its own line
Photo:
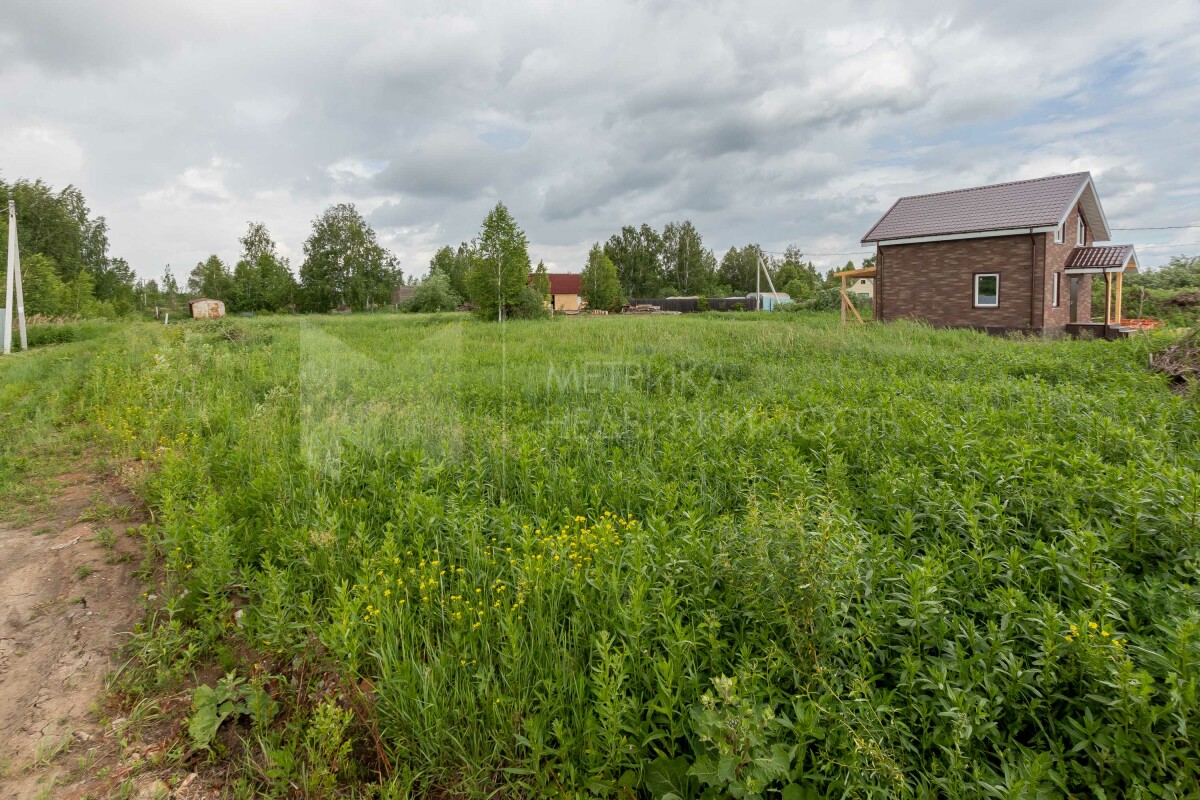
x=979 y=275
x=1057 y=290
x=1080 y=232
x=1060 y=234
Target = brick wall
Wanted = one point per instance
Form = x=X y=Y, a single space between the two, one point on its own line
x=1054 y=319
x=935 y=281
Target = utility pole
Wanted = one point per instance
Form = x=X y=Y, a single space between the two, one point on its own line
x=761 y=268
x=13 y=280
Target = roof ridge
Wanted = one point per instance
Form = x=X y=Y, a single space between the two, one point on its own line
x=994 y=185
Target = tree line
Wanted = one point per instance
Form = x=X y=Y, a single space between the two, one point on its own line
x=344 y=267
x=492 y=271
x=65 y=264
x=68 y=270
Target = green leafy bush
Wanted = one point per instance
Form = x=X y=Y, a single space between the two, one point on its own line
x=38 y=334
x=529 y=305
x=1181 y=272
x=433 y=294
x=798 y=289
x=53 y=333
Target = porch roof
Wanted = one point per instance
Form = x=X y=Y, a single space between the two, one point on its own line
x=1102 y=258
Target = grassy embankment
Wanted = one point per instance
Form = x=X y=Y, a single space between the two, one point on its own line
x=732 y=553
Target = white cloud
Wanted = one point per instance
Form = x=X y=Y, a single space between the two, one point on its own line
x=41 y=150
x=763 y=121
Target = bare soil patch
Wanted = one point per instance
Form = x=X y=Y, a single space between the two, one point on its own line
x=68 y=593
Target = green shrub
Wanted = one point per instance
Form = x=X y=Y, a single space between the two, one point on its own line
x=529 y=306
x=52 y=333
x=1181 y=272
x=798 y=289
x=38 y=334
x=829 y=299
x=433 y=294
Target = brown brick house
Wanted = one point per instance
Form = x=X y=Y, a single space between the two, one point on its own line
x=1008 y=257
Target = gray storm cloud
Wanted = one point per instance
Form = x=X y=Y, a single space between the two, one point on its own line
x=773 y=122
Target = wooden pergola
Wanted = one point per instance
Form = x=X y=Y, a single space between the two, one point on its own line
x=1112 y=262
x=867 y=272
x=1114 y=293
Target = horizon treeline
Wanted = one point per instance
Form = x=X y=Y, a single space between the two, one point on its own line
x=674 y=261
x=344 y=267
x=68 y=270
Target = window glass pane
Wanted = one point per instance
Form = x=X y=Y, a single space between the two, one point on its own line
x=987 y=290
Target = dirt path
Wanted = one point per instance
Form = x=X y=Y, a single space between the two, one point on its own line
x=67 y=594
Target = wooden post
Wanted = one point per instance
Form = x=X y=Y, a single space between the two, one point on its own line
x=853 y=308
x=1107 y=300
x=844 y=300
x=1120 y=298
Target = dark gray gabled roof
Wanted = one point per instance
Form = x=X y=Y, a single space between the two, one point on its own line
x=1113 y=256
x=1037 y=203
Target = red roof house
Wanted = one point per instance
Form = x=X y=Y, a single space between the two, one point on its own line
x=564 y=291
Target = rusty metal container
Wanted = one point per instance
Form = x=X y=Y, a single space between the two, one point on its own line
x=203 y=308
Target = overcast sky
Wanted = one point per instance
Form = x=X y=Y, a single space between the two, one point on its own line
x=771 y=122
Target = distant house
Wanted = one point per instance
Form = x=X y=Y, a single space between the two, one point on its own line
x=1008 y=257
x=204 y=308
x=564 y=291
x=863 y=286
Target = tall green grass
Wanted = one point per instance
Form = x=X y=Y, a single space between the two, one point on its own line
x=40 y=437
x=741 y=554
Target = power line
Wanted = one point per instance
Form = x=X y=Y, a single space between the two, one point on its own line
x=805 y=253
x=1170 y=244
x=1159 y=228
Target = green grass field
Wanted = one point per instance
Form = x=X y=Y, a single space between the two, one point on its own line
x=698 y=556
